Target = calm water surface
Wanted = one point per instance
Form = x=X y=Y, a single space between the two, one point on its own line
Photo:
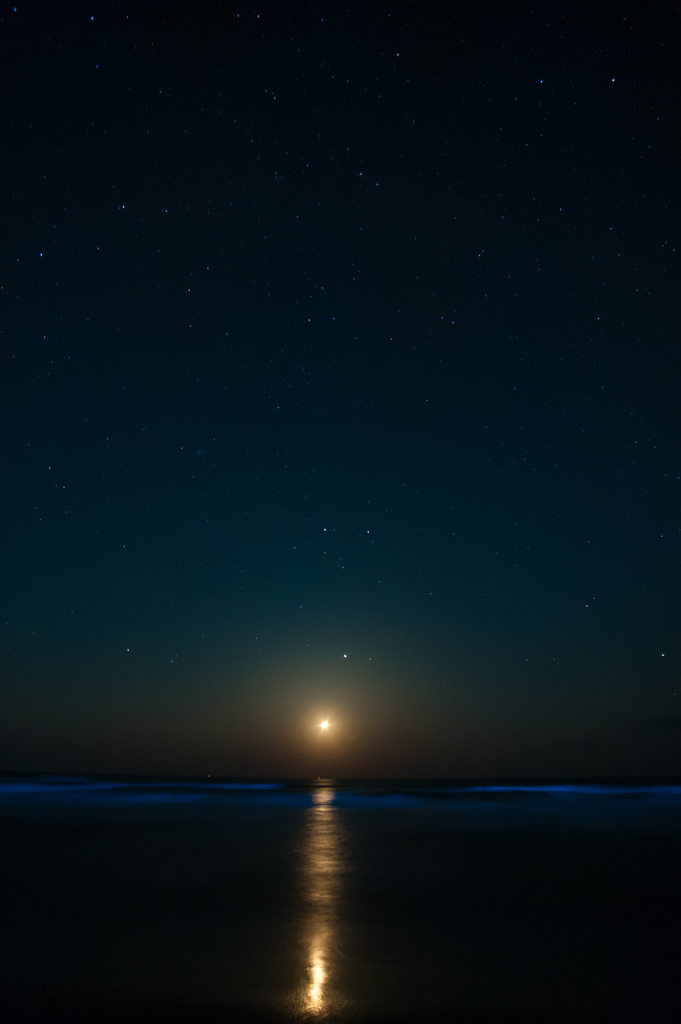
x=204 y=900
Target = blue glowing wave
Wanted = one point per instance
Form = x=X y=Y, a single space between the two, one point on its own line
x=345 y=795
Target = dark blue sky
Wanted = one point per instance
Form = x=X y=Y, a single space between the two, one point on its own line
x=340 y=378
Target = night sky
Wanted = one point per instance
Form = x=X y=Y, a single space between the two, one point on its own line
x=339 y=379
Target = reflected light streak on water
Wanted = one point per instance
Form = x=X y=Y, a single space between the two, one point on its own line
x=322 y=861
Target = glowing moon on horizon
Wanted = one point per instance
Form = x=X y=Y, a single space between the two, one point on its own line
x=325 y=725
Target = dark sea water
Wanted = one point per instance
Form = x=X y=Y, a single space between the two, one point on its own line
x=204 y=900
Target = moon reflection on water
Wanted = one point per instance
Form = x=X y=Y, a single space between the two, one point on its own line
x=322 y=870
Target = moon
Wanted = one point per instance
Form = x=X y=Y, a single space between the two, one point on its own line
x=325 y=725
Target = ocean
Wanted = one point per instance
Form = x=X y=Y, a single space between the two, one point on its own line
x=205 y=900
